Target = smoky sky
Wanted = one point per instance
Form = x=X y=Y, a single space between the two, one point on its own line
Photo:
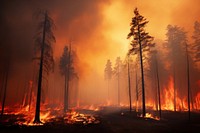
x=98 y=28
x=84 y=21
x=75 y=18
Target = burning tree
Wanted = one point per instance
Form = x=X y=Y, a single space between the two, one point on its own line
x=176 y=41
x=117 y=72
x=141 y=43
x=68 y=71
x=44 y=41
x=108 y=74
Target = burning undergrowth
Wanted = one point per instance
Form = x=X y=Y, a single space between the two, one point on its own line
x=25 y=117
x=76 y=117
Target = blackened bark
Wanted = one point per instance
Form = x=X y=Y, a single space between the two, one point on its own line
x=6 y=84
x=158 y=85
x=37 y=111
x=129 y=87
x=142 y=74
x=188 y=82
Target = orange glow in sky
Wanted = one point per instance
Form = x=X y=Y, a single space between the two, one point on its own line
x=98 y=29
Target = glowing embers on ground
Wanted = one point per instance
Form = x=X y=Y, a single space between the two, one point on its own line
x=25 y=117
x=150 y=116
x=74 y=117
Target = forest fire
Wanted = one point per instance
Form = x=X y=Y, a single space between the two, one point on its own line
x=74 y=66
x=181 y=103
x=169 y=96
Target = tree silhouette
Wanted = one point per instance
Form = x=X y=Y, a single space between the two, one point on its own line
x=188 y=78
x=196 y=47
x=68 y=71
x=129 y=83
x=64 y=61
x=108 y=74
x=196 y=38
x=155 y=66
x=5 y=82
x=6 y=57
x=44 y=42
x=141 y=42
x=117 y=72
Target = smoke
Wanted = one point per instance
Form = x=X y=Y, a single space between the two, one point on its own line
x=76 y=20
x=97 y=28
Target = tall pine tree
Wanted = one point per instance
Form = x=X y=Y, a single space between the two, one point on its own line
x=108 y=75
x=196 y=39
x=141 y=42
x=44 y=41
x=117 y=72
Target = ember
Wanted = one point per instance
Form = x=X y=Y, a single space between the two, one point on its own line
x=79 y=118
x=150 y=116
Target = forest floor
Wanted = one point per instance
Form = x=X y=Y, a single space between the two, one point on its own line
x=113 y=120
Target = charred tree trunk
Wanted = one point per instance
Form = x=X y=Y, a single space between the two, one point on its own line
x=156 y=95
x=65 y=93
x=2 y=83
x=142 y=42
x=5 y=84
x=129 y=87
x=37 y=111
x=142 y=74
x=158 y=85
x=156 y=91
x=174 y=89
x=68 y=78
x=118 y=87
x=188 y=81
x=108 y=91
x=136 y=89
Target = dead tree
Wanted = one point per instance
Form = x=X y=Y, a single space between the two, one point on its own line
x=44 y=44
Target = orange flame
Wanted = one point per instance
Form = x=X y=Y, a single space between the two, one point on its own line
x=148 y=115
